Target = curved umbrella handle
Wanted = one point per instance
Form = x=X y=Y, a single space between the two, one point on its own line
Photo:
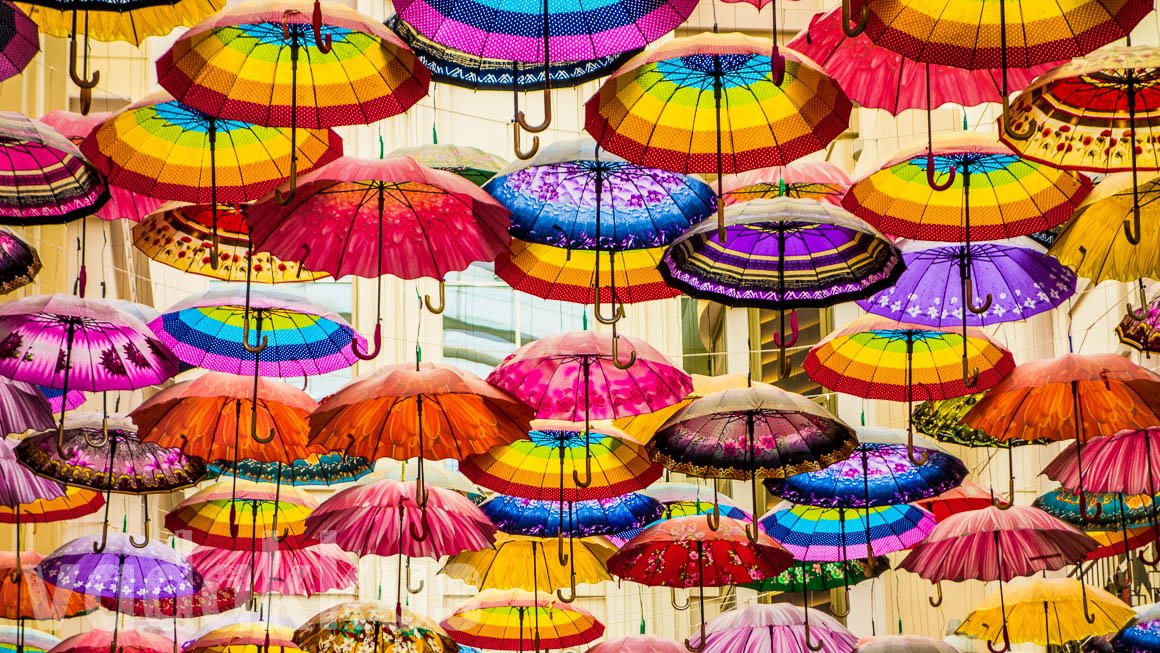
x=377 y=345
x=422 y=583
x=258 y=348
x=587 y=480
x=713 y=517
x=1099 y=510
x=1009 y=130
x=856 y=30
x=284 y=199
x=977 y=310
x=936 y=602
x=809 y=644
x=617 y=309
x=1006 y=644
x=1141 y=314
x=1090 y=618
x=99 y=441
x=922 y=456
x=324 y=45
x=267 y=439
x=517 y=147
x=951 y=172
x=616 y=356
x=1132 y=227
x=522 y=119
x=845 y=613
x=442 y=306
x=752 y=533
x=425 y=527
x=700 y=646
x=74 y=73
x=781 y=343
x=561 y=555
x=673 y=599
x=139 y=544
x=572 y=588
x=144 y=541
x=970 y=378
x=100 y=548
x=1154 y=561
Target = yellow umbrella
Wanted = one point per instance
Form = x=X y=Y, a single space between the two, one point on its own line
x=643 y=427
x=1045 y=611
x=519 y=562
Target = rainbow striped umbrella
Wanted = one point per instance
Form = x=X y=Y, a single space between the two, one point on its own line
x=517 y=620
x=818 y=534
x=237 y=514
x=571 y=275
x=17 y=639
x=242 y=637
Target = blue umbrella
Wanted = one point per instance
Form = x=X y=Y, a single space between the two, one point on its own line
x=325 y=469
x=1142 y=636
x=580 y=518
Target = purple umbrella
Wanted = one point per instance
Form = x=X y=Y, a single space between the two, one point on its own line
x=774 y=627
x=59 y=401
x=23 y=408
x=1017 y=274
x=19 y=262
x=120 y=571
x=19 y=40
x=18 y=485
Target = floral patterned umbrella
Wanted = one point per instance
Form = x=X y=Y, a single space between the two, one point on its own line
x=1140 y=328
x=542 y=518
x=19 y=262
x=366 y=627
x=822 y=576
x=1143 y=636
x=213 y=598
x=1116 y=509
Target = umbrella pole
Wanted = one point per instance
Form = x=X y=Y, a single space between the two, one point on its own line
x=1005 y=121
x=520 y=612
x=117 y=602
x=253 y=551
x=779 y=338
x=70 y=335
x=930 y=171
x=1002 y=600
x=586 y=366
x=399 y=579
x=292 y=36
x=970 y=377
x=1127 y=549
x=234 y=481
x=869 y=567
x=211 y=136
x=99 y=548
x=1078 y=413
x=717 y=92
x=699 y=646
x=920 y=459
x=377 y=344
x=18 y=577
x=1132 y=229
x=751 y=530
x=1152 y=507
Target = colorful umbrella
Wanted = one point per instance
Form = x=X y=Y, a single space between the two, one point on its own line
x=534 y=564
x=314 y=470
x=104 y=454
x=422 y=222
x=19 y=43
x=878 y=473
x=45 y=179
x=553 y=200
x=540 y=518
x=294 y=337
x=60 y=400
x=822 y=576
x=751 y=433
x=1046 y=610
x=1143 y=636
x=781 y=627
x=213 y=598
x=298 y=572
x=19 y=262
x=76 y=503
x=439 y=475
x=1140 y=328
x=24 y=595
x=471 y=163
x=834 y=534
x=512 y=620
x=1127 y=462
x=572 y=276
x=963 y=498
x=644 y=426
x=365 y=627
x=559 y=461
x=712 y=103
x=1017 y=274
x=27 y=640
x=245 y=636
x=943 y=421
x=637 y=644
x=181 y=236
x=1115 y=509
x=100 y=641
x=816 y=180
x=685 y=552
x=236 y=515
x=122 y=204
x=23 y=408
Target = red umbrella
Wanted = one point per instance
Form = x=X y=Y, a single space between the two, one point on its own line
x=685 y=552
x=966 y=497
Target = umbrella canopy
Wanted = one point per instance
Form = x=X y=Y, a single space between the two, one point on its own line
x=1140 y=328
x=243 y=64
x=644 y=426
x=45 y=179
x=60 y=400
x=1058 y=601
x=782 y=253
x=299 y=572
x=23 y=408
x=204 y=418
x=375 y=519
x=19 y=43
x=822 y=576
x=553 y=199
x=709 y=103
x=637 y=644
x=1143 y=636
x=780 y=627
x=181 y=236
x=879 y=78
x=540 y=518
x=1127 y=462
x=66 y=342
x=213 y=598
x=430 y=410
x=577 y=376
x=76 y=502
x=963 y=498
x=301 y=339
x=236 y=514
x=314 y=470
x=440 y=475
x=1095 y=245
x=993 y=194
x=240 y=637
x=532 y=563
x=19 y=262
x=366 y=627
x=471 y=163
x=943 y=421
x=834 y=534
x=816 y=180
x=117 y=20
x=573 y=276
x=121 y=570
x=29 y=640
x=99 y=641
x=549 y=463
x=1022 y=280
x=515 y=620
x=904 y=644
x=1115 y=509
x=25 y=595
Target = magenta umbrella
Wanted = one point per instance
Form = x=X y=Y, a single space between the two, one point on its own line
x=774 y=627
x=638 y=644
x=299 y=572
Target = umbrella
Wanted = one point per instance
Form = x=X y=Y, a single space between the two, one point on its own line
x=751 y=433
x=45 y=180
x=637 y=644
x=553 y=200
x=781 y=627
x=548 y=465
x=683 y=508
x=510 y=620
x=100 y=641
x=567 y=275
x=314 y=470
x=1115 y=508
x=366 y=627
x=300 y=572
x=1143 y=636
x=19 y=43
x=1142 y=334
x=644 y=426
x=427 y=410
x=904 y=644
x=543 y=518
x=822 y=576
x=23 y=408
x=116 y=568
x=181 y=235
x=76 y=503
x=1127 y=462
x=162 y=148
x=60 y=400
x=963 y=498
x=533 y=564
x=238 y=515
x=103 y=453
x=122 y=204
x=1017 y=274
x=685 y=552
x=213 y=598
x=19 y=262
x=422 y=222
x=782 y=254
x=24 y=595
x=14 y=639
x=471 y=163
x=943 y=421
x=817 y=534
x=878 y=473
x=817 y=180
x=876 y=358
x=245 y=636
x=712 y=91
x=1046 y=610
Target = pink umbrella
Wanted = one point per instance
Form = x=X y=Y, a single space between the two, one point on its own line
x=774 y=627
x=300 y=572
x=122 y=204
x=802 y=179
x=23 y=408
x=638 y=644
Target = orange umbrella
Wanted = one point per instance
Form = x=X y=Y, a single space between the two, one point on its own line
x=203 y=418
x=24 y=595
